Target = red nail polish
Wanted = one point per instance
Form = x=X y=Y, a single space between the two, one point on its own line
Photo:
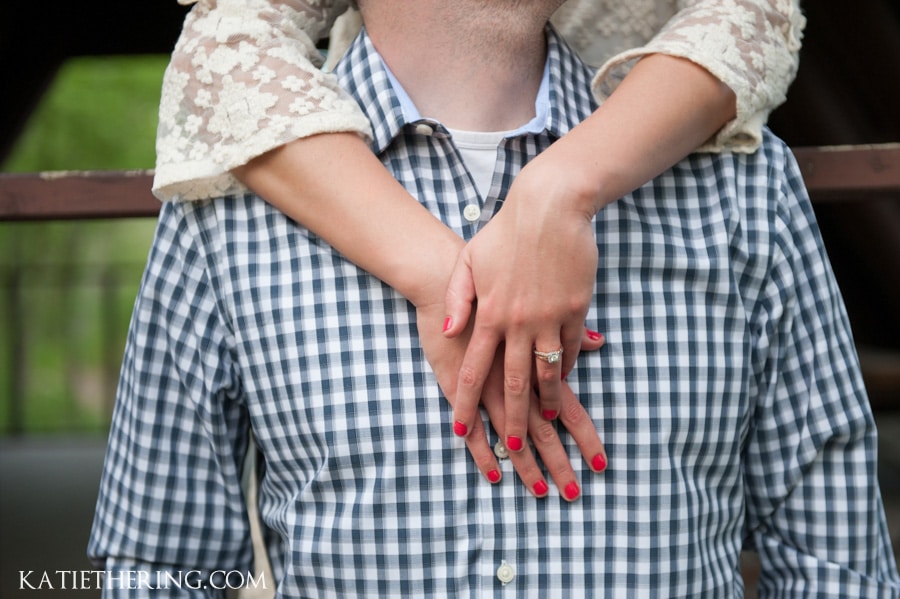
x=549 y=414
x=460 y=429
x=448 y=322
x=572 y=491
x=596 y=336
x=540 y=488
x=494 y=476
x=513 y=443
x=599 y=463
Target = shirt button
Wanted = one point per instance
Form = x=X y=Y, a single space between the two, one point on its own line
x=425 y=129
x=500 y=450
x=505 y=573
x=472 y=213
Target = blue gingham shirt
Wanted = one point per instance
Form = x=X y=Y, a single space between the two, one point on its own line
x=728 y=395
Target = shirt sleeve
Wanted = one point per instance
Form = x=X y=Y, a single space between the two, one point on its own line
x=752 y=46
x=244 y=79
x=814 y=510
x=170 y=512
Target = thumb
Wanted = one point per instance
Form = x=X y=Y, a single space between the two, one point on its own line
x=460 y=298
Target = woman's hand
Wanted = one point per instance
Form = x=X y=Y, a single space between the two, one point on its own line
x=533 y=269
x=445 y=356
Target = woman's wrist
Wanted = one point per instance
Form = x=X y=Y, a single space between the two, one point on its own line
x=570 y=180
x=424 y=278
x=637 y=133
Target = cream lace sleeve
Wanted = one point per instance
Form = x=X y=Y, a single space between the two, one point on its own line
x=244 y=79
x=750 y=45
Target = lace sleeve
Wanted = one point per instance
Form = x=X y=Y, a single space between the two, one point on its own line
x=750 y=45
x=244 y=79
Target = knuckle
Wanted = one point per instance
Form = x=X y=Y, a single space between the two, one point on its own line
x=542 y=433
x=578 y=305
x=517 y=315
x=467 y=377
x=527 y=469
x=518 y=320
x=547 y=375
x=453 y=294
x=514 y=384
x=572 y=413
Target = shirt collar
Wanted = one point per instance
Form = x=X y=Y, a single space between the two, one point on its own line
x=563 y=98
x=535 y=125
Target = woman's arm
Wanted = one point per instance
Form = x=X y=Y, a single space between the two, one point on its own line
x=752 y=46
x=707 y=80
x=244 y=79
x=538 y=297
x=245 y=105
x=336 y=187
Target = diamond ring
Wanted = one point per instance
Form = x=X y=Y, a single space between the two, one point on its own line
x=550 y=357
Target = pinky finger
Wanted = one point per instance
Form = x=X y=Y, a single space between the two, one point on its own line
x=481 y=452
x=578 y=422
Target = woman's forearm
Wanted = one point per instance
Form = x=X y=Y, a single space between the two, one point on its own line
x=333 y=185
x=663 y=110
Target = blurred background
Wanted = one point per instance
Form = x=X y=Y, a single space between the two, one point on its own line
x=82 y=94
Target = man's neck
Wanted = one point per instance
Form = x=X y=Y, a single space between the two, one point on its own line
x=473 y=66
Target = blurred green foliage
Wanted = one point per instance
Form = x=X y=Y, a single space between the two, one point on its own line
x=66 y=288
x=100 y=113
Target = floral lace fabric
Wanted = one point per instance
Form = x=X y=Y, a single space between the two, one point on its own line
x=245 y=75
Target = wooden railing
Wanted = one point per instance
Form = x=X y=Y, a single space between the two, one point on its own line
x=850 y=173
x=839 y=173
x=71 y=195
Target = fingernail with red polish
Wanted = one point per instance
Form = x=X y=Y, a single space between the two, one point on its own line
x=513 y=443
x=549 y=414
x=448 y=322
x=598 y=463
x=540 y=488
x=572 y=491
x=460 y=429
x=595 y=335
x=494 y=476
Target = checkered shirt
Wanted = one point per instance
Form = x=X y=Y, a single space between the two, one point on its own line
x=728 y=396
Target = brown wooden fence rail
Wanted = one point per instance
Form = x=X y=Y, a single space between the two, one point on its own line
x=839 y=173
x=71 y=195
x=843 y=174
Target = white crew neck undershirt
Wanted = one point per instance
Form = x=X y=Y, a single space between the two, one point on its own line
x=478 y=150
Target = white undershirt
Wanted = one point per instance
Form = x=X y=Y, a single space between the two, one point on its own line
x=478 y=148
x=479 y=153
